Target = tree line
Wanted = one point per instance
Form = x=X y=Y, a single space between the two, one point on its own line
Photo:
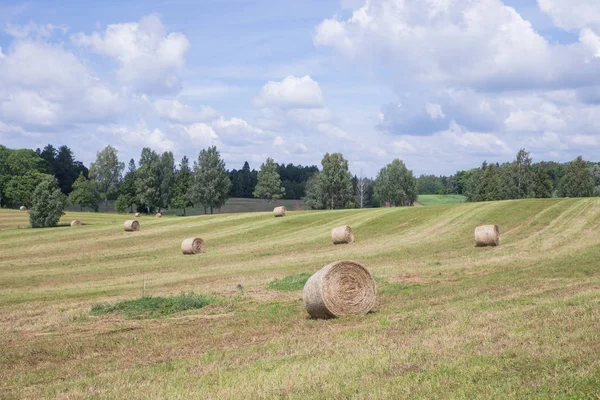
x=518 y=179
x=156 y=182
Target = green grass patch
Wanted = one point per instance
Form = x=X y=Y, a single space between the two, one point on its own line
x=435 y=199
x=289 y=283
x=154 y=307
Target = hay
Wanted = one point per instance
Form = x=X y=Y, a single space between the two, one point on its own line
x=76 y=222
x=338 y=289
x=280 y=211
x=158 y=215
x=487 y=235
x=192 y=246
x=23 y=208
x=342 y=234
x=131 y=226
x=136 y=215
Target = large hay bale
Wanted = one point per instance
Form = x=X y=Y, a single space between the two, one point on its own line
x=192 y=246
x=23 y=208
x=342 y=234
x=158 y=215
x=487 y=235
x=340 y=288
x=76 y=222
x=280 y=211
x=136 y=215
x=131 y=226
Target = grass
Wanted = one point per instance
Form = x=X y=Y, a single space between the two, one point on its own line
x=436 y=199
x=517 y=321
x=153 y=307
x=289 y=283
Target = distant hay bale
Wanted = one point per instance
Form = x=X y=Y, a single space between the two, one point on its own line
x=338 y=289
x=280 y=211
x=131 y=226
x=23 y=208
x=76 y=222
x=136 y=215
x=487 y=235
x=192 y=246
x=342 y=234
x=158 y=215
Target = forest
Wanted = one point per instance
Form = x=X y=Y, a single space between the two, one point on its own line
x=157 y=182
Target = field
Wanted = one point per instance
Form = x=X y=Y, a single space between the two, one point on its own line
x=521 y=320
x=233 y=205
x=435 y=199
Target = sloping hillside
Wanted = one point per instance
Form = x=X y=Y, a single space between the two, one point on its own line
x=517 y=321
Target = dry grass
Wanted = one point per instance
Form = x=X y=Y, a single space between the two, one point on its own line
x=516 y=321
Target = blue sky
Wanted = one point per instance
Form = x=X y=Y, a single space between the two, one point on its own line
x=440 y=84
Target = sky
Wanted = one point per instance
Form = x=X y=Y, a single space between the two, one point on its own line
x=441 y=84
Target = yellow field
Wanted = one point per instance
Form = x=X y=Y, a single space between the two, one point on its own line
x=452 y=321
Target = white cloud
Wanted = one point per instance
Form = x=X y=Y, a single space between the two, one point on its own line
x=292 y=92
x=176 y=111
x=139 y=136
x=572 y=14
x=435 y=111
x=149 y=58
x=473 y=142
x=55 y=93
x=33 y=30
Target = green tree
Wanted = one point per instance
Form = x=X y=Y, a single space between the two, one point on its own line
x=523 y=175
x=211 y=184
x=19 y=189
x=148 y=179
x=65 y=169
x=166 y=179
x=48 y=204
x=315 y=198
x=268 y=186
x=489 y=186
x=106 y=172
x=335 y=182
x=127 y=190
x=542 y=184
x=396 y=184
x=183 y=182
x=429 y=184
x=577 y=181
x=85 y=193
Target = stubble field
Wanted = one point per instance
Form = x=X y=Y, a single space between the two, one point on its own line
x=521 y=320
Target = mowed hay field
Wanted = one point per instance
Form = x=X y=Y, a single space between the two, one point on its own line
x=521 y=320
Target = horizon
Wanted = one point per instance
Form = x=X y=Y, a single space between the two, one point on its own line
x=443 y=86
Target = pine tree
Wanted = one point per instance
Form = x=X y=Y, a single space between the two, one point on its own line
x=577 y=181
x=183 y=182
x=542 y=185
x=268 y=186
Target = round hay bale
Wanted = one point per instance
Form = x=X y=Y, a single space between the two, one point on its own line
x=23 y=208
x=131 y=226
x=487 y=235
x=280 y=211
x=342 y=234
x=338 y=289
x=137 y=215
x=76 y=222
x=192 y=246
x=158 y=215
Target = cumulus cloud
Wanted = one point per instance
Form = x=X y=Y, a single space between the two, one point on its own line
x=55 y=93
x=150 y=58
x=176 y=111
x=139 y=136
x=291 y=92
